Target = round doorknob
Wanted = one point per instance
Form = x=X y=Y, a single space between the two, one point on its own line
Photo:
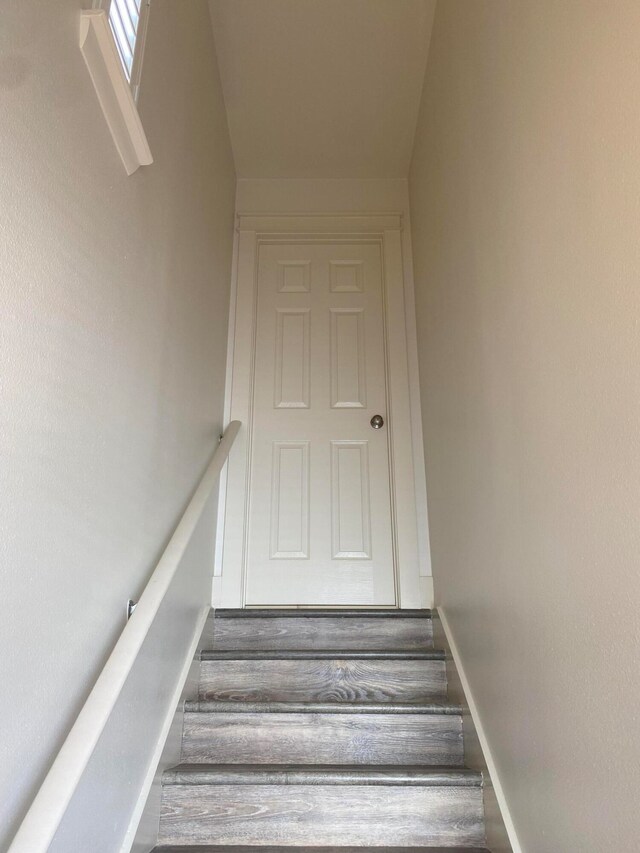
x=377 y=421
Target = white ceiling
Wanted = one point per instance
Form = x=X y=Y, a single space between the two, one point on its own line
x=322 y=88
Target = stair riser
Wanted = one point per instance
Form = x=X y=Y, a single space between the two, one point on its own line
x=322 y=633
x=293 y=814
x=323 y=680
x=323 y=739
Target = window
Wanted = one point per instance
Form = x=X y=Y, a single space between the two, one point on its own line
x=114 y=66
x=128 y=20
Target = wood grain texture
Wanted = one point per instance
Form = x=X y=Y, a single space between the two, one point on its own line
x=309 y=632
x=322 y=654
x=292 y=814
x=242 y=848
x=389 y=707
x=323 y=680
x=323 y=729
x=323 y=738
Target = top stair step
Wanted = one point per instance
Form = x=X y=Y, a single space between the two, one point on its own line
x=320 y=628
x=321 y=613
x=322 y=654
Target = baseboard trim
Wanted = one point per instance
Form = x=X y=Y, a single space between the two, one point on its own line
x=138 y=811
x=481 y=734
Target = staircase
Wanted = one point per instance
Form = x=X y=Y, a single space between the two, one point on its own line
x=321 y=729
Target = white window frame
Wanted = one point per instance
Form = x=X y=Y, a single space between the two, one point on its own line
x=115 y=92
x=138 y=48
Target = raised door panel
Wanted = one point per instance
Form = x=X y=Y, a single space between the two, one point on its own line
x=348 y=369
x=295 y=276
x=347 y=276
x=291 y=370
x=290 y=501
x=350 y=501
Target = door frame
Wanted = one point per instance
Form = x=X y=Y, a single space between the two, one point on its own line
x=252 y=230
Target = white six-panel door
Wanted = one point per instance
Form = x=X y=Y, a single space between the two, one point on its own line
x=319 y=520
x=318 y=507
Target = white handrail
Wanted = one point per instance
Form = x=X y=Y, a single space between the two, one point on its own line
x=47 y=809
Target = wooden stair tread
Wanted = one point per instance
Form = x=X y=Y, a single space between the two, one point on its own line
x=304 y=774
x=220 y=706
x=322 y=654
x=215 y=848
x=291 y=612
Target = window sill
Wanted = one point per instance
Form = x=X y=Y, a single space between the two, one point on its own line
x=113 y=90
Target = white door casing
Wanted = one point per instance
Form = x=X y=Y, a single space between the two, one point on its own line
x=281 y=535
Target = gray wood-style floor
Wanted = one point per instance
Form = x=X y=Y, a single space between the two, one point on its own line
x=339 y=679
x=215 y=848
x=323 y=738
x=321 y=731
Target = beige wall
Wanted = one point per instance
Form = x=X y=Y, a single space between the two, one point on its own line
x=114 y=300
x=525 y=191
